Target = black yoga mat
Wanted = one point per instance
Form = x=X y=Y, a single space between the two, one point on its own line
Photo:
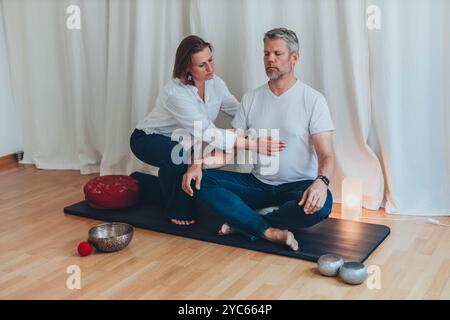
x=351 y=240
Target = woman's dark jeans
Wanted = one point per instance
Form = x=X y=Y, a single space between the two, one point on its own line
x=157 y=150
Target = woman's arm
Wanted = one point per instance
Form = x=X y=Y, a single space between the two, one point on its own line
x=263 y=145
x=218 y=159
x=185 y=111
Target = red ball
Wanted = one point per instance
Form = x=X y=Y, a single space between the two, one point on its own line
x=84 y=248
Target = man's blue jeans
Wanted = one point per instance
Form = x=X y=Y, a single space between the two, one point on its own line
x=235 y=196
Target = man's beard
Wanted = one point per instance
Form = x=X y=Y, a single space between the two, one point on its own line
x=276 y=74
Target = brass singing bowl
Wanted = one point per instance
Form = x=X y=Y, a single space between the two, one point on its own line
x=110 y=237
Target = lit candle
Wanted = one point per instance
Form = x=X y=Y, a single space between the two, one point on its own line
x=351 y=206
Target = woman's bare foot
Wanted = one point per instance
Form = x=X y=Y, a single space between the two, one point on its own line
x=281 y=236
x=225 y=229
x=182 y=222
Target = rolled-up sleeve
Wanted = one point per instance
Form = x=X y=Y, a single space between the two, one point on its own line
x=185 y=111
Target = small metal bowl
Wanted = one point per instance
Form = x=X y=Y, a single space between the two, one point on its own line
x=353 y=272
x=110 y=237
x=329 y=264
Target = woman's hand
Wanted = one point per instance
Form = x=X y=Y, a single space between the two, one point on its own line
x=194 y=173
x=263 y=145
x=269 y=146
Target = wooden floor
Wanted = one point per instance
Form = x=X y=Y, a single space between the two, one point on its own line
x=38 y=242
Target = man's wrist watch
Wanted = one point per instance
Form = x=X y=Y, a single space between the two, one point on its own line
x=324 y=179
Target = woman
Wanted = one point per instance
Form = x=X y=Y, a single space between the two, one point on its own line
x=194 y=96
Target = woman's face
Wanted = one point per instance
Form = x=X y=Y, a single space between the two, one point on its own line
x=202 y=65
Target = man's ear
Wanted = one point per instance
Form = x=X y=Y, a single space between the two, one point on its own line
x=296 y=56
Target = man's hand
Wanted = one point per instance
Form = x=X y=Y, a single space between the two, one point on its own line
x=314 y=197
x=194 y=173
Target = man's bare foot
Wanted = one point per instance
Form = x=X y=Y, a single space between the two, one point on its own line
x=281 y=236
x=182 y=222
x=225 y=229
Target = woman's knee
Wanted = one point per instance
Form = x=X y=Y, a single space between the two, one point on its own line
x=133 y=143
x=153 y=149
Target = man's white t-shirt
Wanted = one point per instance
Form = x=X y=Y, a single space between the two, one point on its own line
x=298 y=113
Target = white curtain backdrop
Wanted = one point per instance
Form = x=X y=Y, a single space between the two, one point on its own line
x=10 y=132
x=410 y=84
x=81 y=92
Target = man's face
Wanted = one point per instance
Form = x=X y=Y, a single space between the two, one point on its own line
x=278 y=61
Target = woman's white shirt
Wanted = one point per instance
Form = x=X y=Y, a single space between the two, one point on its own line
x=179 y=106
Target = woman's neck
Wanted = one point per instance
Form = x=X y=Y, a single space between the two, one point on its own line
x=200 y=85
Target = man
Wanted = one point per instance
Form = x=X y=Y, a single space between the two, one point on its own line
x=300 y=185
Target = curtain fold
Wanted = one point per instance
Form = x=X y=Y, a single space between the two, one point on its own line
x=10 y=132
x=410 y=105
x=80 y=93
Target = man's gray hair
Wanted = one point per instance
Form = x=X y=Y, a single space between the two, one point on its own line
x=287 y=35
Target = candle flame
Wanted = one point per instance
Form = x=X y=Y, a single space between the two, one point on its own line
x=352 y=200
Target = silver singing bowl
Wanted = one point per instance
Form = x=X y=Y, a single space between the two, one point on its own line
x=109 y=237
x=329 y=264
x=353 y=272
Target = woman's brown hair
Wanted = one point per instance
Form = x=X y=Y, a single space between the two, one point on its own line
x=189 y=46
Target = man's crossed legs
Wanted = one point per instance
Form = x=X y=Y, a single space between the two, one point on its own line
x=236 y=197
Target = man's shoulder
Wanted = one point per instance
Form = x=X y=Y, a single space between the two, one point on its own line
x=249 y=95
x=311 y=94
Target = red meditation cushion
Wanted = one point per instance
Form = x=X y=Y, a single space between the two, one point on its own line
x=112 y=192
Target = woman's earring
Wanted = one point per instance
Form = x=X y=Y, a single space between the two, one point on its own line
x=189 y=76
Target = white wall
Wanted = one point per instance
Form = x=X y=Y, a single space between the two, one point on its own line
x=10 y=131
